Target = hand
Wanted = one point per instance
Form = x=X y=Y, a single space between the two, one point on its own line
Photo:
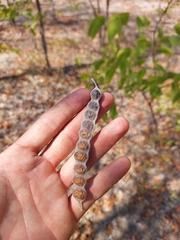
x=33 y=196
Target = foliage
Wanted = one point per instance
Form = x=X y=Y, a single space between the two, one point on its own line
x=33 y=19
x=17 y=8
x=137 y=66
x=8 y=12
x=130 y=64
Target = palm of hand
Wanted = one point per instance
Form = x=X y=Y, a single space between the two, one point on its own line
x=39 y=202
x=33 y=196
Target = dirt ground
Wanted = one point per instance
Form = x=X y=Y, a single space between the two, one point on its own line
x=145 y=204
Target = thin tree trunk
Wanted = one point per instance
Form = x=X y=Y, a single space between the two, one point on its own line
x=11 y=20
x=42 y=33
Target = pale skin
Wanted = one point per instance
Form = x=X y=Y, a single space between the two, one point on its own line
x=33 y=197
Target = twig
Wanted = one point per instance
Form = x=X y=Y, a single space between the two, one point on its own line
x=93 y=8
x=98 y=7
x=149 y=103
x=156 y=29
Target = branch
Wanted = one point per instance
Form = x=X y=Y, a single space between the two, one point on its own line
x=156 y=29
x=149 y=103
x=93 y=8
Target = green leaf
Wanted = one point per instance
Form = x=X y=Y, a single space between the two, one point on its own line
x=165 y=40
x=85 y=76
x=155 y=91
x=160 y=34
x=173 y=87
x=177 y=28
x=160 y=69
x=141 y=73
x=176 y=97
x=142 y=46
x=115 y=24
x=114 y=27
x=124 y=52
x=121 y=82
x=113 y=111
x=164 y=49
x=100 y=79
x=176 y=77
x=144 y=42
x=142 y=22
x=13 y=14
x=124 y=17
x=97 y=64
x=175 y=41
x=110 y=73
x=95 y=26
x=144 y=84
x=139 y=62
x=123 y=66
x=122 y=59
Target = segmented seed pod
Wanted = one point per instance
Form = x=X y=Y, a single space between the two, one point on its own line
x=81 y=154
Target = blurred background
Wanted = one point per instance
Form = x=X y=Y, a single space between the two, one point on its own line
x=132 y=49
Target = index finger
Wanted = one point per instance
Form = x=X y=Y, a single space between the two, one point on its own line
x=51 y=122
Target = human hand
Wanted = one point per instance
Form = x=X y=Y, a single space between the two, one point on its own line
x=33 y=196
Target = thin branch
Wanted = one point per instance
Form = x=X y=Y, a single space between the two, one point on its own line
x=156 y=29
x=98 y=7
x=149 y=103
x=93 y=8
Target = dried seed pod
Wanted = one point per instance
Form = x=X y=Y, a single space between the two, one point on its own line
x=83 y=145
x=95 y=94
x=89 y=114
x=80 y=195
x=80 y=181
x=81 y=154
x=87 y=124
x=93 y=106
x=80 y=169
x=84 y=133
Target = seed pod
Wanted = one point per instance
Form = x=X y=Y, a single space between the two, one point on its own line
x=93 y=106
x=81 y=154
x=83 y=145
x=88 y=125
x=80 y=195
x=80 y=181
x=79 y=169
x=85 y=134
